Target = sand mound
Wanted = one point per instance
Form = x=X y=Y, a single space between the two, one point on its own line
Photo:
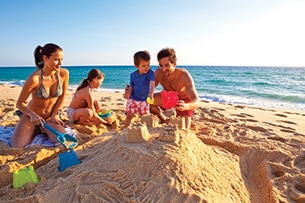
x=113 y=170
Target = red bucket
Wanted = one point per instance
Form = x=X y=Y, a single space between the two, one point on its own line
x=169 y=99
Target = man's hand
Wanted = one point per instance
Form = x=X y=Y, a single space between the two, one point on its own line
x=181 y=106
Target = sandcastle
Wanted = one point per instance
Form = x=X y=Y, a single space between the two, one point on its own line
x=179 y=121
x=137 y=132
x=170 y=112
x=150 y=120
x=169 y=133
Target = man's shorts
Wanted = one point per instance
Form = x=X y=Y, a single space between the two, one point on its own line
x=170 y=99
x=137 y=107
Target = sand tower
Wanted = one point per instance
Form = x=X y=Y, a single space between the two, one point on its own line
x=150 y=120
x=137 y=132
x=169 y=133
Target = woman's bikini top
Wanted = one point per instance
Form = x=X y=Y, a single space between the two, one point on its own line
x=42 y=93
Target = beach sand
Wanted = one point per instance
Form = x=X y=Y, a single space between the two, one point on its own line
x=233 y=153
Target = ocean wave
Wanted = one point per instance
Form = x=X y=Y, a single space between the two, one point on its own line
x=13 y=83
x=253 y=102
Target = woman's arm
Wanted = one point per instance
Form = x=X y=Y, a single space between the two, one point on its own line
x=59 y=103
x=21 y=104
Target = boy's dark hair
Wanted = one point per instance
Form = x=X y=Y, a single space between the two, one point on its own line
x=140 y=55
x=167 y=52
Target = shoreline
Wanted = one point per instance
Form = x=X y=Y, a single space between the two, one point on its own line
x=108 y=92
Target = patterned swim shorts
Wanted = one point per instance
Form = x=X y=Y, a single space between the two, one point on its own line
x=137 y=107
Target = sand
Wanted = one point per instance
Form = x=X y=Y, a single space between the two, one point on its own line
x=233 y=153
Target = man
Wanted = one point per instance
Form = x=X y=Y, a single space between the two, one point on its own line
x=178 y=88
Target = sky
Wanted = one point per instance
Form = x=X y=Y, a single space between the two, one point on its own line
x=202 y=32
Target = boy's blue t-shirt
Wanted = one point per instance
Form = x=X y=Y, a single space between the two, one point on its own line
x=140 y=85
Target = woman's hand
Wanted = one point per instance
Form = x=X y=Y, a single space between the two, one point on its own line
x=37 y=120
x=56 y=120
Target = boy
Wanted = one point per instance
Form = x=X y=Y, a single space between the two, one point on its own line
x=142 y=85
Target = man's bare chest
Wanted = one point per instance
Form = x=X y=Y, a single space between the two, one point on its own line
x=172 y=84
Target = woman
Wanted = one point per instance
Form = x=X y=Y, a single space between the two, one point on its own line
x=83 y=109
x=47 y=87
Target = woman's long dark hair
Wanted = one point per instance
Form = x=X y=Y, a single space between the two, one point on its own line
x=47 y=50
x=94 y=73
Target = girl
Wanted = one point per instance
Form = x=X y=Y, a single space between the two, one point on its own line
x=83 y=109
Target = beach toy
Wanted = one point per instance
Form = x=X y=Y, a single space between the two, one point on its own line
x=24 y=176
x=63 y=138
x=169 y=99
x=104 y=114
x=67 y=159
x=149 y=100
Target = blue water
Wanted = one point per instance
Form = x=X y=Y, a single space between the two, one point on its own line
x=279 y=87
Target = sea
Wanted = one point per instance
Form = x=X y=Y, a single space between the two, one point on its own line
x=275 y=87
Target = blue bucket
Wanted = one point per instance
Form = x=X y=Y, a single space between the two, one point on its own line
x=67 y=159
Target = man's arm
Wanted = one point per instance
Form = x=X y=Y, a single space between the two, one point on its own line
x=190 y=92
x=157 y=76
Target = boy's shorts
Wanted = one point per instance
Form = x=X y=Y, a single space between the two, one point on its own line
x=137 y=107
x=170 y=99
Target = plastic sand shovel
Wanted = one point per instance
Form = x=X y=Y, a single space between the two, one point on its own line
x=67 y=159
x=149 y=100
x=63 y=138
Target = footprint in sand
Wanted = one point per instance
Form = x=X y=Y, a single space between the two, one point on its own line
x=245 y=114
x=257 y=128
x=299 y=163
x=300 y=187
x=120 y=104
x=287 y=129
x=277 y=138
x=249 y=120
x=277 y=170
x=300 y=114
x=239 y=107
x=288 y=122
x=238 y=115
x=281 y=115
